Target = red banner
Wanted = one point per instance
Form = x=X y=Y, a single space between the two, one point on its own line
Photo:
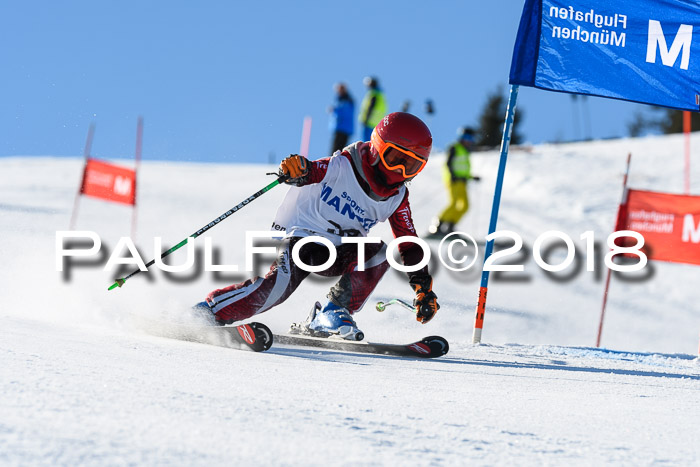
x=669 y=223
x=110 y=182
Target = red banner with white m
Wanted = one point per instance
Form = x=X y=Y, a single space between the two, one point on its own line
x=669 y=223
x=108 y=181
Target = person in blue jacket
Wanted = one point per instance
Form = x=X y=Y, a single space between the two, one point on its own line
x=342 y=117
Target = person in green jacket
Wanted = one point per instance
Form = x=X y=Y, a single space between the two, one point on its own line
x=373 y=107
x=457 y=173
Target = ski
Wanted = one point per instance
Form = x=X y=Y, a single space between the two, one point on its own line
x=251 y=336
x=428 y=347
x=255 y=336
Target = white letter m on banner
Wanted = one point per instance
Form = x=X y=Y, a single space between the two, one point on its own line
x=690 y=233
x=682 y=41
x=122 y=185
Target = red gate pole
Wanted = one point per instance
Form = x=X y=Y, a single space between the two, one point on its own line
x=137 y=157
x=607 y=277
x=305 y=137
x=86 y=154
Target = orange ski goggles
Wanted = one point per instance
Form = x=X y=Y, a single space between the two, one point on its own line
x=397 y=158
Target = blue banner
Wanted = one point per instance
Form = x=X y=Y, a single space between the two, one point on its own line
x=644 y=51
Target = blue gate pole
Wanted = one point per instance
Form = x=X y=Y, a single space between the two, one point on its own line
x=505 y=144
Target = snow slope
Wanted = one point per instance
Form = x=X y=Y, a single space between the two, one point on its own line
x=87 y=377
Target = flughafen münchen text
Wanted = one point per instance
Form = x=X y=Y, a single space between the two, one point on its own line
x=606 y=25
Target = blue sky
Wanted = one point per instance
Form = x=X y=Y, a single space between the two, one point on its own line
x=233 y=81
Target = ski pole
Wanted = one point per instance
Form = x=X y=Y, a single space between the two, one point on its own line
x=381 y=306
x=280 y=179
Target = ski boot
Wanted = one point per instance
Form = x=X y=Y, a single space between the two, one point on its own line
x=331 y=320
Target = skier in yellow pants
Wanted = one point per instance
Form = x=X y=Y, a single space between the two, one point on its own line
x=457 y=173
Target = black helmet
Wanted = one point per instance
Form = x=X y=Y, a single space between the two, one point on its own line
x=466 y=133
x=371 y=82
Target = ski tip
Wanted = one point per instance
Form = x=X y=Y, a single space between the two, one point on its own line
x=263 y=336
x=438 y=345
x=251 y=336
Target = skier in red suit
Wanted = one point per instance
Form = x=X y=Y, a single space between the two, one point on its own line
x=344 y=195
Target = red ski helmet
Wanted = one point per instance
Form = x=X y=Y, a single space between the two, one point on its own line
x=400 y=145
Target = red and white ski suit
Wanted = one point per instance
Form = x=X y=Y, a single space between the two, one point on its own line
x=335 y=201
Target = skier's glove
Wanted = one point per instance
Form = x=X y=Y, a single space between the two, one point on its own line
x=425 y=303
x=296 y=168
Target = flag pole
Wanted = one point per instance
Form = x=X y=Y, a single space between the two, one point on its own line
x=305 y=137
x=686 y=132
x=86 y=156
x=505 y=144
x=623 y=201
x=137 y=164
